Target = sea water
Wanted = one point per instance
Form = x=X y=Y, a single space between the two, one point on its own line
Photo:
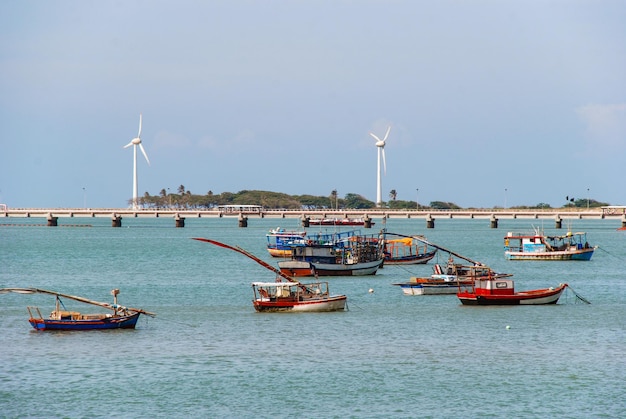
x=209 y=354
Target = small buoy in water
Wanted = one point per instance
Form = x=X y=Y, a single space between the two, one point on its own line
x=371 y=291
x=508 y=327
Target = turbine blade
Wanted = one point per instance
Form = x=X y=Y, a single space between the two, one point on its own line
x=139 y=134
x=387 y=133
x=384 y=161
x=144 y=153
x=128 y=145
x=375 y=137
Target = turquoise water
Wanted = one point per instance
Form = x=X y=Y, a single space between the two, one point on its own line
x=208 y=354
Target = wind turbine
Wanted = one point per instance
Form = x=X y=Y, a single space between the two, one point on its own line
x=136 y=142
x=380 y=144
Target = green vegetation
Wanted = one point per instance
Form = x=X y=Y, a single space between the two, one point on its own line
x=184 y=199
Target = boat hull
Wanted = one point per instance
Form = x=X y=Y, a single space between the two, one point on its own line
x=449 y=288
x=279 y=253
x=582 y=254
x=535 y=297
x=339 y=222
x=122 y=322
x=410 y=260
x=333 y=303
x=296 y=268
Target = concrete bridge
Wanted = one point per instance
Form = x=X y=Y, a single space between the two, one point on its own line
x=179 y=215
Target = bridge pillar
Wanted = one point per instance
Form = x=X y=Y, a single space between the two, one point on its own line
x=624 y=221
x=243 y=220
x=557 y=221
x=116 y=220
x=52 y=221
x=179 y=221
x=494 y=221
x=367 y=221
x=430 y=221
x=305 y=221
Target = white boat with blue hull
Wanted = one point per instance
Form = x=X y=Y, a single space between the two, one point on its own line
x=538 y=246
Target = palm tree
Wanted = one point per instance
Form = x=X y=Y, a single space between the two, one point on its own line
x=333 y=197
x=393 y=194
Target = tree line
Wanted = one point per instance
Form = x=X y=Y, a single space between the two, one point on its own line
x=184 y=199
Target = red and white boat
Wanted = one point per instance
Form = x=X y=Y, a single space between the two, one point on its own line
x=291 y=295
x=451 y=280
x=295 y=296
x=491 y=292
x=340 y=222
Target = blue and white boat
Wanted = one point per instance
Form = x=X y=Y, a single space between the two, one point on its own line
x=538 y=246
x=280 y=241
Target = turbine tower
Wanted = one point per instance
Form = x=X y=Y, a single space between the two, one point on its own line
x=136 y=142
x=380 y=144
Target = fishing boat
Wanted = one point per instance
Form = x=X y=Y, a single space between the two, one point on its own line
x=287 y=294
x=338 y=254
x=407 y=251
x=280 y=241
x=537 y=246
x=63 y=319
x=491 y=291
x=462 y=277
x=455 y=277
x=339 y=222
x=295 y=296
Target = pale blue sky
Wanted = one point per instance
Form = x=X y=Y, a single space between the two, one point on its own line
x=482 y=96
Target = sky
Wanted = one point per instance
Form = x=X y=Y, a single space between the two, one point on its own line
x=491 y=103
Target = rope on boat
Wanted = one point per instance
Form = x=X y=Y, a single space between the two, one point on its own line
x=608 y=253
x=578 y=296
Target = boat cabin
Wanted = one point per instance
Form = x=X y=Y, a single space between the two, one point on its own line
x=493 y=287
x=538 y=243
x=288 y=291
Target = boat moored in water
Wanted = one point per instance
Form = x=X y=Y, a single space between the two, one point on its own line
x=295 y=296
x=491 y=291
x=340 y=222
x=290 y=296
x=338 y=254
x=407 y=251
x=63 y=319
x=455 y=277
x=537 y=246
x=281 y=241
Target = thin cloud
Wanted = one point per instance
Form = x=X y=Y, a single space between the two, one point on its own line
x=605 y=124
x=242 y=140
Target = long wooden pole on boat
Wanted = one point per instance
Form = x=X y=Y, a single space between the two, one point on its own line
x=250 y=255
x=438 y=247
x=72 y=297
